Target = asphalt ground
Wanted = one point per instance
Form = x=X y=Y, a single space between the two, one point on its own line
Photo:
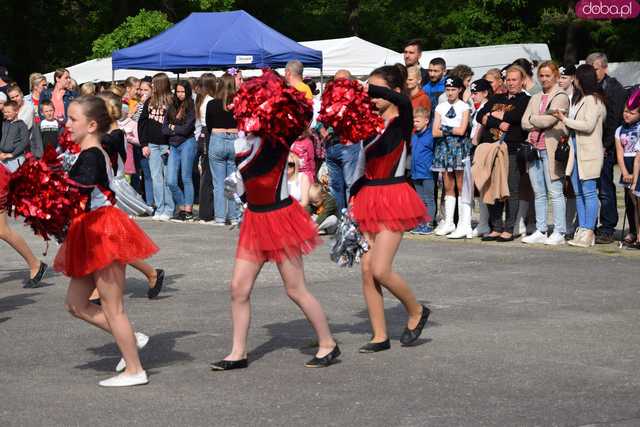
x=519 y=336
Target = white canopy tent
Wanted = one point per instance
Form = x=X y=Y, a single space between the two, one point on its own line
x=482 y=58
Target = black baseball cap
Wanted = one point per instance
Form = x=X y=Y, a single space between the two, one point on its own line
x=480 y=85
x=453 y=81
x=4 y=73
x=568 y=70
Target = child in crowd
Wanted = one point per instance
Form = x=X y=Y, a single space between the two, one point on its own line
x=421 y=162
x=49 y=125
x=452 y=147
x=324 y=209
x=15 y=137
x=628 y=154
x=305 y=150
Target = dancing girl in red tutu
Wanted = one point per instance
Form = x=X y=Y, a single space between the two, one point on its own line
x=385 y=206
x=101 y=241
x=274 y=227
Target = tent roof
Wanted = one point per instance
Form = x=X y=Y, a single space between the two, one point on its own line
x=358 y=56
x=482 y=58
x=215 y=39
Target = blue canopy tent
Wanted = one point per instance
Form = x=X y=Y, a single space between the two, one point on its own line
x=216 y=40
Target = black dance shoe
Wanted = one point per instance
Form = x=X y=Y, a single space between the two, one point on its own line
x=153 y=292
x=323 y=362
x=374 y=347
x=35 y=281
x=409 y=336
x=96 y=301
x=227 y=365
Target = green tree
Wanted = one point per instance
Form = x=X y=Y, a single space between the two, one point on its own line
x=134 y=29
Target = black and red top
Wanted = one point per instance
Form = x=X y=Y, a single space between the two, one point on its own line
x=263 y=165
x=385 y=155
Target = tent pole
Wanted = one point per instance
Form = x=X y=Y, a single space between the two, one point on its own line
x=113 y=77
x=321 y=79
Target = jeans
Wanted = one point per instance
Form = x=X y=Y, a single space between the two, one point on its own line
x=542 y=184
x=425 y=189
x=342 y=163
x=145 y=169
x=181 y=162
x=222 y=162
x=159 y=174
x=586 y=197
x=511 y=205
x=607 y=195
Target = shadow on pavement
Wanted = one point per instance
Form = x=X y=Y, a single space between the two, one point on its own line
x=160 y=351
x=14 y=302
x=298 y=334
x=11 y=275
x=137 y=288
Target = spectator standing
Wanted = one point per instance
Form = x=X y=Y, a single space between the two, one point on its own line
x=501 y=121
x=37 y=84
x=567 y=76
x=412 y=54
x=144 y=183
x=586 y=138
x=464 y=73
x=49 y=125
x=155 y=144
x=546 y=132
x=341 y=159
x=223 y=129
x=615 y=96
x=297 y=183
x=434 y=87
x=421 y=162
x=494 y=77
x=25 y=110
x=208 y=89
x=419 y=99
x=304 y=149
x=61 y=96
x=293 y=76
x=178 y=127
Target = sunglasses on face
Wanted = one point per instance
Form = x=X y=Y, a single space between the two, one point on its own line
x=291 y=164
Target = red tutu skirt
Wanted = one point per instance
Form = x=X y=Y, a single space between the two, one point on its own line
x=388 y=206
x=276 y=234
x=99 y=238
x=5 y=176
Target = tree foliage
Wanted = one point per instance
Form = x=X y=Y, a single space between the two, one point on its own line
x=134 y=29
x=40 y=35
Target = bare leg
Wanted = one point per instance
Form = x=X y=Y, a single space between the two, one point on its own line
x=449 y=179
x=292 y=273
x=147 y=270
x=382 y=253
x=373 y=296
x=78 y=304
x=19 y=244
x=242 y=281
x=110 y=283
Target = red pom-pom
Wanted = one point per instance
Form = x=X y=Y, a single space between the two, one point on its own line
x=267 y=107
x=66 y=143
x=42 y=193
x=347 y=108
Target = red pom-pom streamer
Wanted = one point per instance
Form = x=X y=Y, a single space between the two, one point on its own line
x=42 y=193
x=66 y=143
x=267 y=107
x=347 y=108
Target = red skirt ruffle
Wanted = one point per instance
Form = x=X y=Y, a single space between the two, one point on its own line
x=393 y=207
x=5 y=176
x=99 y=238
x=275 y=235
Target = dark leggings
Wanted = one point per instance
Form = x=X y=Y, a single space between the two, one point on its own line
x=511 y=205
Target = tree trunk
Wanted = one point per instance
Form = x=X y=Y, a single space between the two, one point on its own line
x=353 y=15
x=571 y=47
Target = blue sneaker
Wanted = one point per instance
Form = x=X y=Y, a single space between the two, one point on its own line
x=422 y=229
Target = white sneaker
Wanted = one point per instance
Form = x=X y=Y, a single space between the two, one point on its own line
x=125 y=380
x=536 y=237
x=555 y=239
x=480 y=231
x=141 y=342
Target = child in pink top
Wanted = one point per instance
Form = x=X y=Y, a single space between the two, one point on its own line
x=304 y=149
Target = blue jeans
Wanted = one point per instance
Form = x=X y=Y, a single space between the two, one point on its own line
x=342 y=164
x=586 y=197
x=181 y=162
x=542 y=184
x=222 y=163
x=425 y=189
x=159 y=174
x=607 y=195
x=148 y=182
